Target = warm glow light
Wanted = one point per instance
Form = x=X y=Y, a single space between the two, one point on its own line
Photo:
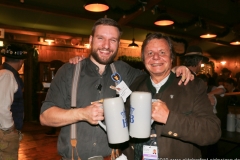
x=164 y=22
x=87 y=45
x=133 y=46
x=235 y=43
x=202 y=65
x=223 y=62
x=1 y=43
x=49 y=41
x=208 y=35
x=96 y=7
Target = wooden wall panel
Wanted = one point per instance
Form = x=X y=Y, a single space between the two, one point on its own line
x=49 y=53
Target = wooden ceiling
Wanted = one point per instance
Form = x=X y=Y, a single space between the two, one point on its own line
x=69 y=18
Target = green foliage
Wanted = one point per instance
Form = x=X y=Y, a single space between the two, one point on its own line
x=135 y=62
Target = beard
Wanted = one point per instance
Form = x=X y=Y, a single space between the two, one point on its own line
x=109 y=60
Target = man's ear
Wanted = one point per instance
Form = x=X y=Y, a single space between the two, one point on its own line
x=90 y=40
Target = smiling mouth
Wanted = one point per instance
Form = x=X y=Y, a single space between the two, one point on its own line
x=156 y=64
x=104 y=52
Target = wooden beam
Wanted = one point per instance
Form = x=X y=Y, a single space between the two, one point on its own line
x=150 y=4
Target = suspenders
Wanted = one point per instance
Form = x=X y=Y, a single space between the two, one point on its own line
x=76 y=79
x=73 y=133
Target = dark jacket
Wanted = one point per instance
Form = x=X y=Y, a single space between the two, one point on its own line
x=191 y=122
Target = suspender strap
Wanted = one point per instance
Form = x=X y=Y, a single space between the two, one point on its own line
x=73 y=130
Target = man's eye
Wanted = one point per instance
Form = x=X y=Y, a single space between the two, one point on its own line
x=150 y=53
x=114 y=40
x=161 y=52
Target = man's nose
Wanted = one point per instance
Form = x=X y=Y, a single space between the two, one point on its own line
x=106 y=43
x=156 y=56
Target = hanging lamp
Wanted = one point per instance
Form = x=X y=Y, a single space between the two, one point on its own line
x=96 y=6
x=133 y=44
x=208 y=34
x=236 y=41
x=164 y=20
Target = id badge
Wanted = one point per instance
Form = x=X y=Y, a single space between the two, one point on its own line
x=150 y=152
x=123 y=90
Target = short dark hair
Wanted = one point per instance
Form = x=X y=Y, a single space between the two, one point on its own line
x=152 y=36
x=192 y=60
x=107 y=22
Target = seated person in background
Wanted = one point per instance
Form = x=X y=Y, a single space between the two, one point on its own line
x=212 y=91
x=230 y=86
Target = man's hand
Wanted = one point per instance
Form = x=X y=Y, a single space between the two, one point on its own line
x=93 y=113
x=184 y=72
x=160 y=111
x=76 y=59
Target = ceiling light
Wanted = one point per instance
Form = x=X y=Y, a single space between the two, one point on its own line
x=236 y=41
x=96 y=6
x=133 y=44
x=164 y=20
x=208 y=35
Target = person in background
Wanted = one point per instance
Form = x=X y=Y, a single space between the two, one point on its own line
x=230 y=85
x=183 y=117
x=220 y=81
x=14 y=58
x=95 y=81
x=226 y=73
x=193 y=58
x=212 y=91
x=9 y=139
x=237 y=76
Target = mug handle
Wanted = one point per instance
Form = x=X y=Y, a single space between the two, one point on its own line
x=102 y=125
